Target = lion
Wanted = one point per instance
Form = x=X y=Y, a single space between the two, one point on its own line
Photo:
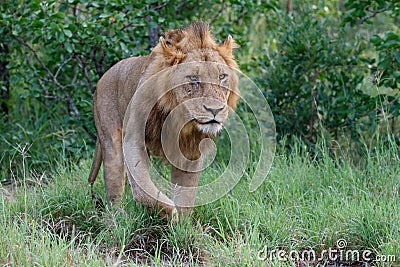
x=164 y=104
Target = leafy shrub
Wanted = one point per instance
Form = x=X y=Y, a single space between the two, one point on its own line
x=318 y=79
x=314 y=72
x=311 y=83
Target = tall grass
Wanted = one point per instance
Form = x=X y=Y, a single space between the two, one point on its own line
x=307 y=202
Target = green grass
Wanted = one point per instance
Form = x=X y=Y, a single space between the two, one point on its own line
x=307 y=202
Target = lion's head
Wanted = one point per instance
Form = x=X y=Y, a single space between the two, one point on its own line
x=199 y=80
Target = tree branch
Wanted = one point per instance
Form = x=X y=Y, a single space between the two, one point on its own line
x=85 y=73
x=37 y=58
x=153 y=32
x=98 y=63
x=61 y=66
x=160 y=6
x=289 y=7
x=67 y=95
x=132 y=23
x=218 y=13
x=373 y=14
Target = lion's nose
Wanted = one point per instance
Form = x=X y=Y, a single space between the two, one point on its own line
x=214 y=111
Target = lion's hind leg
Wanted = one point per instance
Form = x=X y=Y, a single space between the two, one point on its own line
x=114 y=172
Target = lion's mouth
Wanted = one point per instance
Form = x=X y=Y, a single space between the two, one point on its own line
x=212 y=121
x=208 y=126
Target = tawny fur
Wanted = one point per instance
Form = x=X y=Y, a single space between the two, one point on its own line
x=119 y=84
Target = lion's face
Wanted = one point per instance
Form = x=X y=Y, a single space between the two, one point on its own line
x=197 y=78
x=204 y=85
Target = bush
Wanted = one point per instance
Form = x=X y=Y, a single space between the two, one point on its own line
x=317 y=80
x=321 y=77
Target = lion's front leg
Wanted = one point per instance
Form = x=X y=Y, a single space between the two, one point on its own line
x=143 y=188
x=184 y=186
x=136 y=159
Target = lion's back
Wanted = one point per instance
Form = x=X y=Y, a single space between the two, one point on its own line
x=117 y=86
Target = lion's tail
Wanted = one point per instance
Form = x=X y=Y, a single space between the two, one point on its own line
x=96 y=163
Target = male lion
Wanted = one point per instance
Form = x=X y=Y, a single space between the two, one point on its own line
x=164 y=104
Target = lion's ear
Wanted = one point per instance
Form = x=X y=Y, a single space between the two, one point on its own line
x=171 y=54
x=164 y=43
x=228 y=45
x=174 y=36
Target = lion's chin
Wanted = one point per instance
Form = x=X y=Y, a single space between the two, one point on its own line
x=209 y=128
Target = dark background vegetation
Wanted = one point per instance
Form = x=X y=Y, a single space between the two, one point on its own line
x=329 y=69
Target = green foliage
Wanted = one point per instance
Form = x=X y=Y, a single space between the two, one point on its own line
x=321 y=72
x=363 y=11
x=313 y=79
x=387 y=43
x=388 y=67
x=56 y=52
x=316 y=75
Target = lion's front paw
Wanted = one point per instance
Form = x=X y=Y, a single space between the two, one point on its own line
x=170 y=213
x=174 y=215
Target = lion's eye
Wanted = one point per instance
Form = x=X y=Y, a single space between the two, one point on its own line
x=222 y=76
x=194 y=78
